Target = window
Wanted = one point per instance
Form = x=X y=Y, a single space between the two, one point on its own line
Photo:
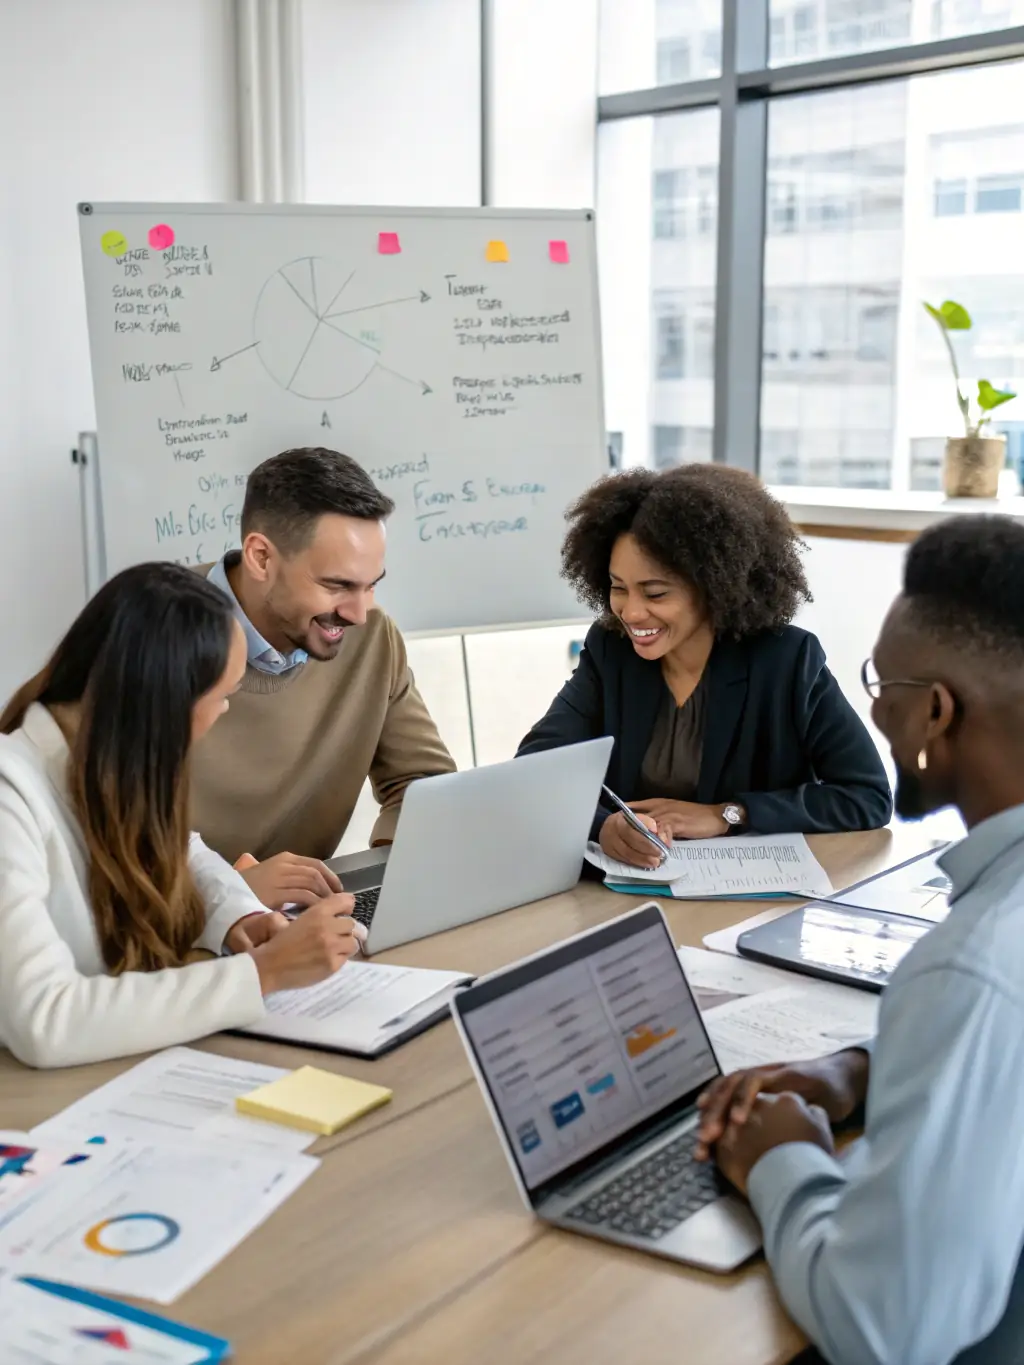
x=670 y=194
x=950 y=198
x=876 y=195
x=953 y=18
x=657 y=203
x=681 y=445
x=998 y=194
x=670 y=359
x=658 y=42
x=673 y=60
x=801 y=30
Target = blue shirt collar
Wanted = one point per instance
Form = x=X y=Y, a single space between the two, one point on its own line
x=966 y=862
x=261 y=655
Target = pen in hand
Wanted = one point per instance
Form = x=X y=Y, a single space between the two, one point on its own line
x=634 y=820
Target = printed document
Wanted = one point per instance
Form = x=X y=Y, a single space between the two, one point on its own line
x=791 y=1024
x=748 y=865
x=756 y=1014
x=175 y=1095
x=44 y=1323
x=145 y=1220
x=361 y=1008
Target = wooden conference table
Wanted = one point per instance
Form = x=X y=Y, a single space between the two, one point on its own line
x=410 y=1244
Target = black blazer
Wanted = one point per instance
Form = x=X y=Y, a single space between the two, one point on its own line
x=779 y=738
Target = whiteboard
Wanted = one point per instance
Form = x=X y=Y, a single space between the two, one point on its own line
x=454 y=353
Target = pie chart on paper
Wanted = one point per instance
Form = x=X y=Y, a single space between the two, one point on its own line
x=309 y=343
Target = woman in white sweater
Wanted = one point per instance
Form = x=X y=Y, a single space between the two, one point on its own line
x=119 y=931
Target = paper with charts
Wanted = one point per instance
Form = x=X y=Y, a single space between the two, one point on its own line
x=46 y=1323
x=146 y=1220
x=454 y=352
x=746 y=865
x=173 y=1096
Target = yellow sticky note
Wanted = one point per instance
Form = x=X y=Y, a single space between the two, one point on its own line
x=113 y=243
x=315 y=1101
x=496 y=251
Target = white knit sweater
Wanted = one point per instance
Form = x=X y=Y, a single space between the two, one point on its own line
x=58 y=1005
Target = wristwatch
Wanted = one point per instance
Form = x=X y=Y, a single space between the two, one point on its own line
x=732 y=815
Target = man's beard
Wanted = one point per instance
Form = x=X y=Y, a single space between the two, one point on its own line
x=911 y=801
x=318 y=648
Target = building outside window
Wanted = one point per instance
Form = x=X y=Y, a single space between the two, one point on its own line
x=877 y=197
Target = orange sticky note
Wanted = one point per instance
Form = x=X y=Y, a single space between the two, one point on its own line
x=559 y=252
x=388 y=244
x=496 y=251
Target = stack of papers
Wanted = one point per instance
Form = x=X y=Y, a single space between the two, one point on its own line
x=756 y=1015
x=366 y=1008
x=44 y=1323
x=747 y=866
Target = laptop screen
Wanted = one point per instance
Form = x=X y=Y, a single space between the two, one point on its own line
x=582 y=1044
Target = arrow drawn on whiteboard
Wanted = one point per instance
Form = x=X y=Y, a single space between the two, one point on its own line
x=421 y=297
x=423 y=388
x=216 y=363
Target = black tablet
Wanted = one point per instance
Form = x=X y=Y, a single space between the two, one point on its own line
x=836 y=942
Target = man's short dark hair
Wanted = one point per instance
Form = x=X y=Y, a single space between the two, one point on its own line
x=287 y=494
x=964 y=579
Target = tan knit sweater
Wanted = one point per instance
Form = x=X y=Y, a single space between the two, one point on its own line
x=282 y=771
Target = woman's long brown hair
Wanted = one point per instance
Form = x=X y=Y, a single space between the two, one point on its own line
x=141 y=654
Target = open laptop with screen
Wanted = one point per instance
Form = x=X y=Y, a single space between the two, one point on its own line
x=472 y=843
x=591 y=1056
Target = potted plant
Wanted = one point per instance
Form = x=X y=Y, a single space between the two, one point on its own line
x=973 y=461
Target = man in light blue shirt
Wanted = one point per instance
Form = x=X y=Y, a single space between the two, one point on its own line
x=262 y=655
x=908 y=1252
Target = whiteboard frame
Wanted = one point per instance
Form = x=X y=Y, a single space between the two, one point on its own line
x=91 y=488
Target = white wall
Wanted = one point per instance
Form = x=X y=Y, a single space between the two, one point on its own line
x=392 y=101
x=854 y=583
x=543 y=110
x=392 y=116
x=101 y=101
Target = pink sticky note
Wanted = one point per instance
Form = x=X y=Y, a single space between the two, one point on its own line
x=388 y=244
x=559 y=252
x=161 y=237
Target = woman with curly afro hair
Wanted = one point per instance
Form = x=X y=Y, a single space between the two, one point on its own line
x=725 y=716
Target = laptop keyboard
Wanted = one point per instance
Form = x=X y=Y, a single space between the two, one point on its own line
x=655 y=1195
x=366 y=905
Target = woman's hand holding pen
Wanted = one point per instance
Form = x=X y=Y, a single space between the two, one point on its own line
x=621 y=841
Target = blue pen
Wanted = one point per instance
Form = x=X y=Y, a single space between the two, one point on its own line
x=638 y=824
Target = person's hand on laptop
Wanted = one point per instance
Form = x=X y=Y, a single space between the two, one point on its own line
x=773 y=1121
x=288 y=879
x=621 y=841
x=836 y=1084
x=311 y=948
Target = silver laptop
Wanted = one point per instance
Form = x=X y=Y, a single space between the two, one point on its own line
x=591 y=1056
x=472 y=843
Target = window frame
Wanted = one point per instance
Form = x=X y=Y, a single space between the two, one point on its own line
x=743 y=94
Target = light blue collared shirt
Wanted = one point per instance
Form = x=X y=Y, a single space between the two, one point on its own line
x=907 y=1253
x=261 y=655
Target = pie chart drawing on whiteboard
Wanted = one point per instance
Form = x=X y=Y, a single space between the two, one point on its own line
x=306 y=340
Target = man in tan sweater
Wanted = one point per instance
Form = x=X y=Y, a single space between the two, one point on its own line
x=327 y=699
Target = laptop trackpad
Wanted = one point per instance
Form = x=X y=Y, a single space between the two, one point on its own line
x=361 y=871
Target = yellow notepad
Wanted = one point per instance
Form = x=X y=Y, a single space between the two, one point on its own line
x=314 y=1100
